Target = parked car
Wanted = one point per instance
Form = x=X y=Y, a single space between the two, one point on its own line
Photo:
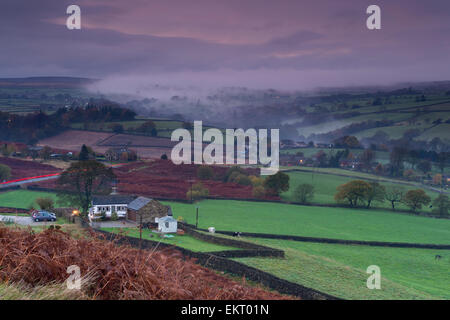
x=43 y=216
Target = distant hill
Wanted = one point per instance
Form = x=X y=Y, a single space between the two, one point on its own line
x=47 y=82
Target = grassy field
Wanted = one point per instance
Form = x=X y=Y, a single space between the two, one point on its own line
x=340 y=270
x=326 y=183
x=184 y=241
x=23 y=198
x=261 y=217
x=335 y=269
x=340 y=223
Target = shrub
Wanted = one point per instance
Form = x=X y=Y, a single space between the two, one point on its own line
x=304 y=193
x=45 y=203
x=441 y=205
x=257 y=181
x=240 y=179
x=197 y=192
x=234 y=170
x=415 y=199
x=5 y=172
x=205 y=173
x=259 y=192
x=277 y=183
x=114 y=216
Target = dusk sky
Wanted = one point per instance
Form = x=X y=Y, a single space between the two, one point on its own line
x=290 y=44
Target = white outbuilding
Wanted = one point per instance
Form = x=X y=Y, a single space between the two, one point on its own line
x=167 y=224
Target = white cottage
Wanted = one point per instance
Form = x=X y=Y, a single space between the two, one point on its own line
x=109 y=204
x=167 y=224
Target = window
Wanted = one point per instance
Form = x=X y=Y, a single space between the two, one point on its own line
x=167 y=225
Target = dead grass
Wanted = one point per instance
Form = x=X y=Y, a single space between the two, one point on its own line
x=37 y=260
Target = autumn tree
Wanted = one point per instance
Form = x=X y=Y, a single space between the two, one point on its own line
x=415 y=199
x=394 y=195
x=353 y=192
x=376 y=192
x=82 y=180
x=437 y=179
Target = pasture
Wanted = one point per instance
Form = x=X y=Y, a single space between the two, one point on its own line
x=23 y=198
x=184 y=241
x=340 y=270
x=325 y=222
x=325 y=184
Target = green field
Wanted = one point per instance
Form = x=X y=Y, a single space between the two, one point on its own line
x=278 y=218
x=339 y=223
x=23 y=198
x=340 y=270
x=335 y=269
x=184 y=241
x=326 y=183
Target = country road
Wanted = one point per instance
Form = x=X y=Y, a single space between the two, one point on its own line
x=25 y=221
x=18 y=182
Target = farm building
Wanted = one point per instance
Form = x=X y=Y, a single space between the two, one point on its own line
x=147 y=211
x=109 y=204
x=167 y=224
x=120 y=154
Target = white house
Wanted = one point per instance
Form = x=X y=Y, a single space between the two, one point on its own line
x=109 y=204
x=167 y=224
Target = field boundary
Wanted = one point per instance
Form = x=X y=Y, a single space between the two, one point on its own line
x=338 y=241
x=248 y=249
x=210 y=260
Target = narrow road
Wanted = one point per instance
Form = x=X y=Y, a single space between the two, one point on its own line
x=17 y=182
x=24 y=221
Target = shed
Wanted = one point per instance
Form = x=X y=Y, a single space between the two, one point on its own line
x=147 y=211
x=167 y=224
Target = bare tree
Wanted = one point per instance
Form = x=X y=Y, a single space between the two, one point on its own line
x=394 y=195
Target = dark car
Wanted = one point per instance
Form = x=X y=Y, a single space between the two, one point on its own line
x=43 y=216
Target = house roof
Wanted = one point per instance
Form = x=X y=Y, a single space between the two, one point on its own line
x=166 y=219
x=138 y=203
x=111 y=199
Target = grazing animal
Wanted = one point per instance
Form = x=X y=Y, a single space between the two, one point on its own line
x=236 y=234
x=437 y=257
